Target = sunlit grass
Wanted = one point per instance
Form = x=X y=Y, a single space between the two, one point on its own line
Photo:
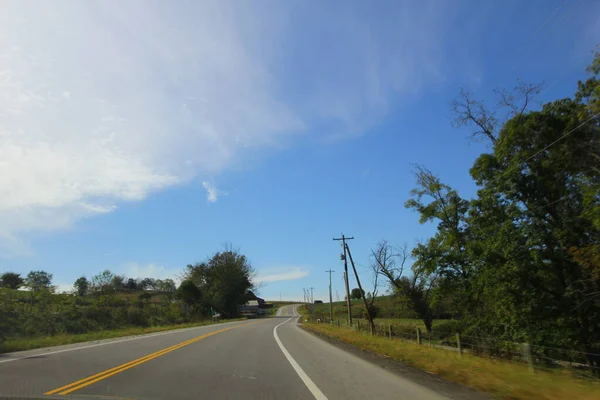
x=29 y=343
x=503 y=379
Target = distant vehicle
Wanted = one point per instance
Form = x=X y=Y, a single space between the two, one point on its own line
x=318 y=301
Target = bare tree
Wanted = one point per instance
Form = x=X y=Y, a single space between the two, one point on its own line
x=469 y=111
x=415 y=289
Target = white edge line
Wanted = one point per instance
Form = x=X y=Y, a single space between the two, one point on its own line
x=307 y=381
x=109 y=341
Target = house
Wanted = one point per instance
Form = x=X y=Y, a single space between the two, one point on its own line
x=262 y=304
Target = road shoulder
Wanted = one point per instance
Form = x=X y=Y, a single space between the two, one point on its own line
x=432 y=381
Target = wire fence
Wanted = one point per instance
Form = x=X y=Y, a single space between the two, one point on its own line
x=577 y=363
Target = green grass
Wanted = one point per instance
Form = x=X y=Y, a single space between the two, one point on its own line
x=503 y=379
x=18 y=344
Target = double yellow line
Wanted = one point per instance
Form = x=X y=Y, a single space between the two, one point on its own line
x=71 y=387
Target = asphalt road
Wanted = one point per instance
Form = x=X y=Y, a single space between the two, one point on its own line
x=270 y=358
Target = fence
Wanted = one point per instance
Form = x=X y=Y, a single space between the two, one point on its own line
x=579 y=364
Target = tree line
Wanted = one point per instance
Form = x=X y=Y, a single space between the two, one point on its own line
x=521 y=260
x=111 y=301
x=104 y=282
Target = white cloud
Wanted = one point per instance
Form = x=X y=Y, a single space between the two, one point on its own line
x=137 y=270
x=212 y=193
x=281 y=274
x=104 y=102
x=63 y=288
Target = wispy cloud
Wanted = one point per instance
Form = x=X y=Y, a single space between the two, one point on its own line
x=281 y=274
x=96 y=108
x=212 y=193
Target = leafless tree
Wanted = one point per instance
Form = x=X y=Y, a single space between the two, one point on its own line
x=469 y=111
x=415 y=289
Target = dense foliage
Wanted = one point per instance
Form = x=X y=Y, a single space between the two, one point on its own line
x=521 y=260
x=111 y=301
x=223 y=281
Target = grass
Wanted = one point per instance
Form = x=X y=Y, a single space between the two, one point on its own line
x=503 y=379
x=30 y=343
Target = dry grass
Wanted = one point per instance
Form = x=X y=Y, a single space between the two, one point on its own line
x=503 y=379
x=29 y=343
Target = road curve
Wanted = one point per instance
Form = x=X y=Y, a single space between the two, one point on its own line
x=269 y=358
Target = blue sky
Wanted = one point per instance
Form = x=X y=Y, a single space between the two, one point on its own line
x=142 y=136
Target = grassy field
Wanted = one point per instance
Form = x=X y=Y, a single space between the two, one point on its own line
x=29 y=343
x=388 y=306
x=503 y=379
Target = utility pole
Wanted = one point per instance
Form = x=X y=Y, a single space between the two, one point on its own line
x=312 y=299
x=330 y=298
x=348 y=302
x=362 y=293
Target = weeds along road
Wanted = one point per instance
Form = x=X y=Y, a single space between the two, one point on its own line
x=269 y=358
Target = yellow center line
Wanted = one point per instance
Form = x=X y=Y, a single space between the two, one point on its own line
x=71 y=387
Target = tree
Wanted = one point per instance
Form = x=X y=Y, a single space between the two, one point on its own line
x=223 y=280
x=131 y=285
x=189 y=293
x=38 y=280
x=81 y=286
x=147 y=284
x=118 y=282
x=356 y=293
x=415 y=290
x=447 y=254
x=468 y=111
x=103 y=282
x=533 y=231
x=167 y=286
x=11 y=280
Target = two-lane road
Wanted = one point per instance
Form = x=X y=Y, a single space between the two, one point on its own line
x=270 y=358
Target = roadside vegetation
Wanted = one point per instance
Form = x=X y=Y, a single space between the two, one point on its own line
x=502 y=379
x=108 y=305
x=515 y=270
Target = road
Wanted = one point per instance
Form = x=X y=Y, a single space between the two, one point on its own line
x=270 y=358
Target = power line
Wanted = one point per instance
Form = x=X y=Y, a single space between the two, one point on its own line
x=544 y=149
x=539 y=29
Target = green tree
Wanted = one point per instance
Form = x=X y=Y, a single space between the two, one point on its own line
x=81 y=286
x=189 y=293
x=356 y=293
x=103 y=282
x=417 y=291
x=167 y=286
x=38 y=280
x=533 y=229
x=131 y=284
x=224 y=280
x=11 y=280
x=118 y=283
x=148 y=284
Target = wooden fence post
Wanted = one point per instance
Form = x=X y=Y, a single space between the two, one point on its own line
x=358 y=326
x=458 y=343
x=390 y=330
x=528 y=356
x=418 y=335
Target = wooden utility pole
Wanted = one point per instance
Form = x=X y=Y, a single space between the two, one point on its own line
x=348 y=301
x=330 y=298
x=362 y=293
